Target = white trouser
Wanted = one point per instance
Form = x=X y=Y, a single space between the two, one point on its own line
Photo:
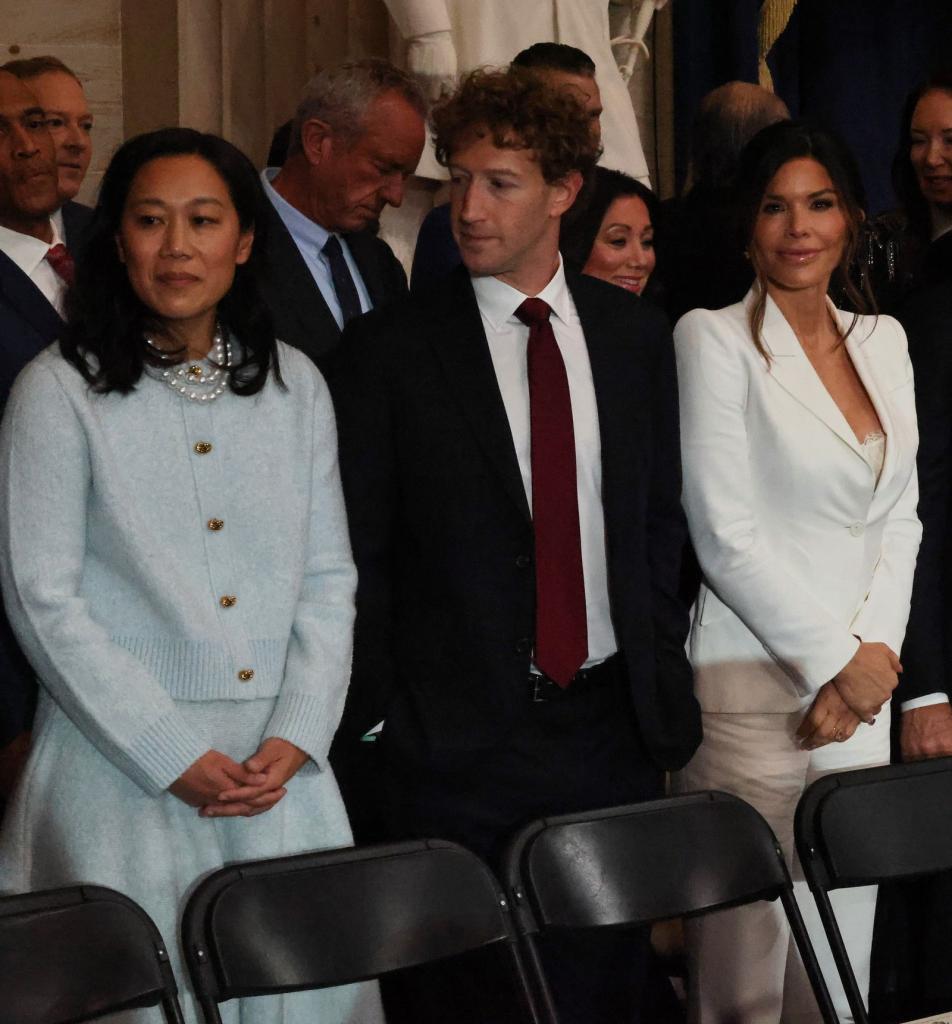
x=744 y=966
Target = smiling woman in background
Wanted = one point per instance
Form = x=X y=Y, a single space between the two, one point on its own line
x=176 y=562
x=912 y=247
x=613 y=235
x=798 y=434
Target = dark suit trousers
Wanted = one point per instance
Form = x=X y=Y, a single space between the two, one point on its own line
x=577 y=752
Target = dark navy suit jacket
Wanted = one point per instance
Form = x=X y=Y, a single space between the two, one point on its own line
x=301 y=316
x=28 y=323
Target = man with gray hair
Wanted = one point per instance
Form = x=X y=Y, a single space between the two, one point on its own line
x=704 y=265
x=355 y=139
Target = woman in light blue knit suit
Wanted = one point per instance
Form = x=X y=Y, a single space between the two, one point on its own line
x=176 y=563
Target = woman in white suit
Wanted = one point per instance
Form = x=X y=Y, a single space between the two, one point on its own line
x=799 y=439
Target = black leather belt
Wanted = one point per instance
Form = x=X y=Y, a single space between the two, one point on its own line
x=542 y=688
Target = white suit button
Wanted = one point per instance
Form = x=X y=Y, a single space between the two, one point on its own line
x=857 y=529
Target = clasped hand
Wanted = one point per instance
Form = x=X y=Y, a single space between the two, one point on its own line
x=855 y=695
x=221 y=787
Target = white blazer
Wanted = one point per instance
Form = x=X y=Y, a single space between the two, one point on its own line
x=800 y=549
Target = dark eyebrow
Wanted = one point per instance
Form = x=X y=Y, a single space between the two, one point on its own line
x=810 y=195
x=152 y=201
x=33 y=112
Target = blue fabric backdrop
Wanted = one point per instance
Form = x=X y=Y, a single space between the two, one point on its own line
x=847 y=64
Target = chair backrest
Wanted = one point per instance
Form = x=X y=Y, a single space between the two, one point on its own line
x=339 y=916
x=77 y=954
x=876 y=824
x=872 y=825
x=644 y=862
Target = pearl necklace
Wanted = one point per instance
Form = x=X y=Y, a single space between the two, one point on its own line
x=204 y=381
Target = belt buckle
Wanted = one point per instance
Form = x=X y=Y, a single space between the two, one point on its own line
x=538 y=696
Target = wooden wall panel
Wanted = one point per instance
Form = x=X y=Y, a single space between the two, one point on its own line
x=86 y=37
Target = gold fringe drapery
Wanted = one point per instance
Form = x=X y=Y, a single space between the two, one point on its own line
x=774 y=15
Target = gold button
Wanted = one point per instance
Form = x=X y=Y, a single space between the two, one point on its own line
x=246 y=674
x=203 y=447
x=215 y=524
x=228 y=601
x=195 y=370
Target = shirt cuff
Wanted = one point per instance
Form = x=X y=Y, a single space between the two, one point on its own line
x=925 y=701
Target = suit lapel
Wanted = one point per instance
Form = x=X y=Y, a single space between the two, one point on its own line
x=459 y=342
x=294 y=295
x=612 y=395
x=20 y=293
x=793 y=371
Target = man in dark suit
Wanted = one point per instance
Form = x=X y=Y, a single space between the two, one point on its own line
x=70 y=122
x=356 y=137
x=31 y=286
x=510 y=457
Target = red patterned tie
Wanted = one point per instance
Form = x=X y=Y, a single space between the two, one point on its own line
x=561 y=639
x=61 y=262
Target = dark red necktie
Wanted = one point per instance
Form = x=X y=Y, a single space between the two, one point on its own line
x=61 y=261
x=561 y=639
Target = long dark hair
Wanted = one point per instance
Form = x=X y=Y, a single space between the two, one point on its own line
x=106 y=322
x=904 y=178
x=580 y=226
x=762 y=158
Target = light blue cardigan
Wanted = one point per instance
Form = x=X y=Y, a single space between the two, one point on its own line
x=113 y=578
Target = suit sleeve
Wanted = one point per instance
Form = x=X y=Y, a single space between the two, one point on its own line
x=362 y=402
x=885 y=612
x=666 y=526
x=317 y=669
x=925 y=654
x=738 y=564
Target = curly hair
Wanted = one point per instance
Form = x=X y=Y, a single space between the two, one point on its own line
x=518 y=110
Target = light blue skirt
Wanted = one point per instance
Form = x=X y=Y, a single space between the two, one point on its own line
x=76 y=818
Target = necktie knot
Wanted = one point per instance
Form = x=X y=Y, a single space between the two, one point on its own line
x=61 y=261
x=332 y=248
x=344 y=288
x=534 y=312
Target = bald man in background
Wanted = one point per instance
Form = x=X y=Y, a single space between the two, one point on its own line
x=703 y=265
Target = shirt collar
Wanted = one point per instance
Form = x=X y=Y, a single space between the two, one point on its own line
x=499 y=301
x=26 y=251
x=303 y=230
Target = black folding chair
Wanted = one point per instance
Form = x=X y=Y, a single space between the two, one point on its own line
x=868 y=826
x=77 y=954
x=640 y=863
x=338 y=916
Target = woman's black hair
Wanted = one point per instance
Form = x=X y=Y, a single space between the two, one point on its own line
x=106 y=322
x=904 y=178
x=762 y=158
x=580 y=226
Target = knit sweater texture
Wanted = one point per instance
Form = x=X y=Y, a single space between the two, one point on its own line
x=157 y=550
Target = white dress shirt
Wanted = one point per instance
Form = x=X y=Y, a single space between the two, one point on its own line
x=310 y=239
x=29 y=254
x=508 y=340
